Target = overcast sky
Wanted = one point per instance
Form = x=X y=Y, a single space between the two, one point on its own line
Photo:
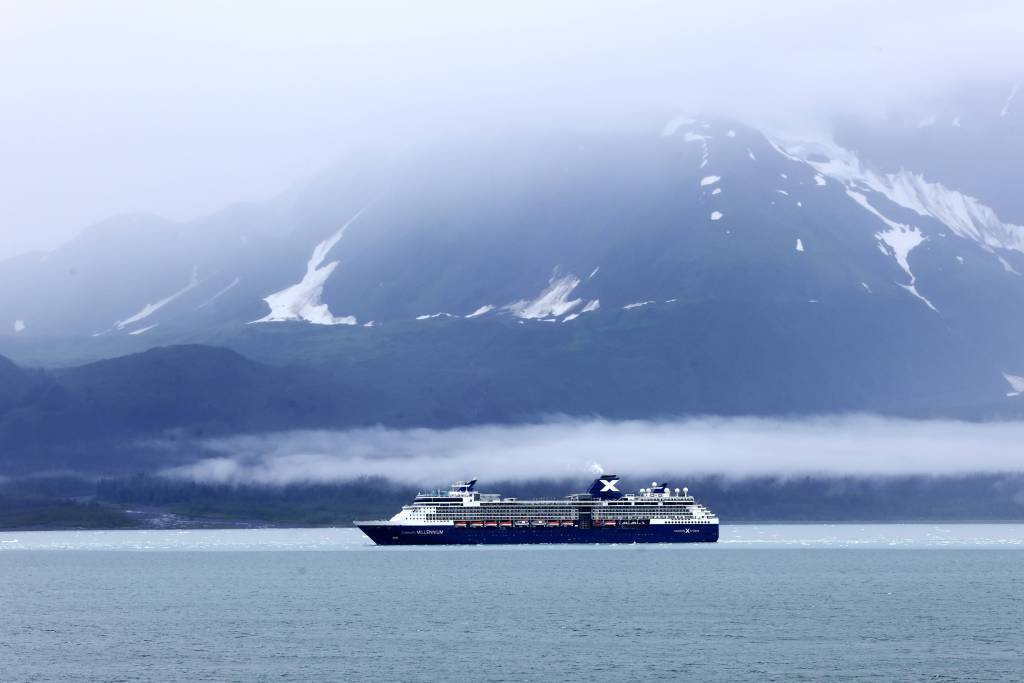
x=178 y=108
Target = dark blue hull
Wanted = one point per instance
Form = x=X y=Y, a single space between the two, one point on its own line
x=392 y=534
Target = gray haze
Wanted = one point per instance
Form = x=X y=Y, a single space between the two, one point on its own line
x=858 y=445
x=180 y=108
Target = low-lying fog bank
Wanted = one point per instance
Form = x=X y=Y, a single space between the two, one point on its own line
x=838 y=468
x=564 y=448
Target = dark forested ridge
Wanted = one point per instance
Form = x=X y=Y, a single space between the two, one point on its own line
x=147 y=500
x=99 y=417
x=761 y=499
x=154 y=409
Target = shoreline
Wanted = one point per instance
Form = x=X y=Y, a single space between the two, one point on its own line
x=742 y=523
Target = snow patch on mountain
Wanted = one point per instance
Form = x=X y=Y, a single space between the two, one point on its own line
x=689 y=136
x=434 y=315
x=900 y=239
x=799 y=244
x=819 y=179
x=234 y=283
x=1006 y=265
x=301 y=301
x=143 y=329
x=964 y=215
x=709 y=180
x=751 y=155
x=594 y=272
x=552 y=302
x=1009 y=100
x=1016 y=383
x=591 y=306
x=673 y=126
x=481 y=311
x=638 y=304
x=150 y=309
x=19 y=325
x=783 y=152
x=716 y=215
x=717 y=190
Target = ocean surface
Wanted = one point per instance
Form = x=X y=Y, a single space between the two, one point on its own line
x=769 y=602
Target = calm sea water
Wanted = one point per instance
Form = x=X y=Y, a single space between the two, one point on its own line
x=786 y=603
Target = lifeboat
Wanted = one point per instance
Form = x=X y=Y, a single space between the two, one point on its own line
x=476 y=523
x=490 y=524
x=598 y=522
x=609 y=522
x=538 y=522
x=504 y=523
x=460 y=523
x=522 y=522
x=553 y=523
x=567 y=524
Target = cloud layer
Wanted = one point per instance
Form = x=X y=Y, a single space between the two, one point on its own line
x=180 y=108
x=739 y=447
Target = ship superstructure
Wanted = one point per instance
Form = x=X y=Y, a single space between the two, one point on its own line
x=604 y=514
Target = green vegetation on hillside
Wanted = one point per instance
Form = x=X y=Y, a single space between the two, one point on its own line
x=294 y=505
x=40 y=512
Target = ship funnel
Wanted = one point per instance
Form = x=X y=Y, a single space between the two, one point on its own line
x=605 y=487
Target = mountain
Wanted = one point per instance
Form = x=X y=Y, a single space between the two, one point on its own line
x=970 y=139
x=168 y=406
x=129 y=413
x=522 y=227
x=694 y=267
x=19 y=385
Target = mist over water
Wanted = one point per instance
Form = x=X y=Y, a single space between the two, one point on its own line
x=565 y=448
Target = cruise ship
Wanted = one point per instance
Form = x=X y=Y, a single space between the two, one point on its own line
x=464 y=516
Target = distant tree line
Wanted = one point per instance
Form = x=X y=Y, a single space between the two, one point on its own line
x=70 y=502
x=312 y=504
x=842 y=499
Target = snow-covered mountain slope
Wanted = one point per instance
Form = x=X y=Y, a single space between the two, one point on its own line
x=705 y=221
x=301 y=301
x=965 y=216
x=970 y=140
